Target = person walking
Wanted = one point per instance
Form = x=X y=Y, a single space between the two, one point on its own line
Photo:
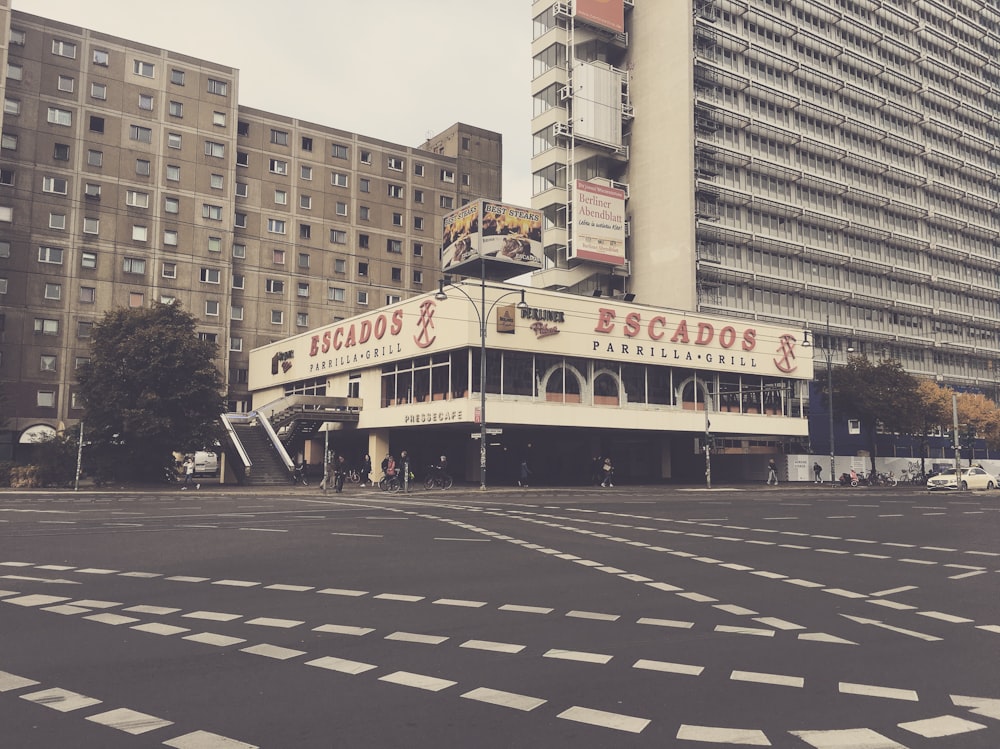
x=772 y=472
x=525 y=473
x=189 y=473
x=339 y=474
x=817 y=473
x=608 y=470
x=365 y=470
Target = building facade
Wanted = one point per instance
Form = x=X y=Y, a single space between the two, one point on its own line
x=131 y=174
x=827 y=162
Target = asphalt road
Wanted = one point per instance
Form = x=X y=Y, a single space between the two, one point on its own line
x=650 y=617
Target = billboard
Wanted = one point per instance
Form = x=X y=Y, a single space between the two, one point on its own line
x=598 y=223
x=609 y=14
x=492 y=232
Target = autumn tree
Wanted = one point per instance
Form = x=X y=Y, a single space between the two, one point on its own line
x=934 y=411
x=151 y=387
x=978 y=418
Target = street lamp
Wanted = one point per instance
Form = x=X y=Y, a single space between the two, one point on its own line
x=828 y=355
x=482 y=314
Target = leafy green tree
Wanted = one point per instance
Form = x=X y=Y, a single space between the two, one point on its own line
x=877 y=393
x=151 y=387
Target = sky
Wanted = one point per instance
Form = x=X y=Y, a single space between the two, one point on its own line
x=397 y=70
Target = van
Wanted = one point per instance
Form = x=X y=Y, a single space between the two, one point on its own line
x=206 y=463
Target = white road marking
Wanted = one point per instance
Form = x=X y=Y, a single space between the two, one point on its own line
x=155 y=628
x=764 y=678
x=10 y=682
x=399 y=597
x=67 y=610
x=900 y=630
x=667 y=587
x=987 y=707
x=212 y=616
x=418 y=681
x=112 y=619
x=526 y=609
x=731 y=608
x=850 y=738
x=61 y=699
x=473 y=540
x=593 y=615
x=803 y=583
x=459 y=602
x=342 y=592
x=886 y=603
x=893 y=591
x=917 y=561
x=967 y=574
x=576 y=655
x=155 y=610
x=495 y=647
x=359 y=535
x=944 y=725
x=130 y=721
x=668 y=667
x=745 y=631
x=236 y=583
x=844 y=593
x=35 y=600
x=698 y=597
x=341 y=665
x=96 y=571
x=504 y=699
x=264 y=621
x=665 y=623
x=604 y=719
x=824 y=637
x=55 y=567
x=206 y=740
x=709 y=734
x=143 y=575
x=46 y=580
x=950 y=618
x=416 y=637
x=781 y=624
x=343 y=629
x=293 y=588
x=273 y=651
x=989 y=627
x=870 y=690
x=187 y=579
x=210 y=638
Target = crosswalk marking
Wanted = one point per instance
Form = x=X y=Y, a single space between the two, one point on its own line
x=341 y=665
x=418 y=681
x=851 y=738
x=62 y=700
x=605 y=719
x=869 y=690
x=504 y=699
x=713 y=735
x=130 y=721
x=944 y=725
x=206 y=740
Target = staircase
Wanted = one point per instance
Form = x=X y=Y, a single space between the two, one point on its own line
x=268 y=468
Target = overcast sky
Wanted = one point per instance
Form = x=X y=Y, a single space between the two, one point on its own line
x=398 y=70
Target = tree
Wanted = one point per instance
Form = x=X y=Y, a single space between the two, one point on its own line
x=877 y=393
x=978 y=417
x=150 y=388
x=933 y=411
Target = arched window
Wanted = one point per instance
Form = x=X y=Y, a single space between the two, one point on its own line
x=606 y=390
x=563 y=386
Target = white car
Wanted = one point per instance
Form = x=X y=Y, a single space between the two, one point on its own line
x=968 y=478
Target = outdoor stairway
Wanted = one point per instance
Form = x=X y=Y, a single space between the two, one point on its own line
x=268 y=469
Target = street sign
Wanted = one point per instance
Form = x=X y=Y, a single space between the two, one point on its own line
x=493 y=430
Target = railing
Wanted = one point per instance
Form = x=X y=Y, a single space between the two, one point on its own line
x=227 y=422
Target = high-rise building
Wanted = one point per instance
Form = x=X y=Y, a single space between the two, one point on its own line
x=131 y=174
x=828 y=162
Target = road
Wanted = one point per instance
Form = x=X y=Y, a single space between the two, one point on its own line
x=806 y=616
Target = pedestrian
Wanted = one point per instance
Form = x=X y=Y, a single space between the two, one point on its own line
x=817 y=473
x=404 y=458
x=772 y=472
x=339 y=473
x=365 y=470
x=609 y=473
x=189 y=473
x=525 y=473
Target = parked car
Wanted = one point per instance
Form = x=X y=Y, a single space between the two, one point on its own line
x=968 y=478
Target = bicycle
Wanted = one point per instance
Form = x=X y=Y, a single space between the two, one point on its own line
x=437 y=478
x=390 y=484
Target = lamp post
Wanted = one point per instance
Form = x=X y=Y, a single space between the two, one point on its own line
x=482 y=314
x=828 y=355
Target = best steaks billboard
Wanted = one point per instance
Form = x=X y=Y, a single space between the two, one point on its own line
x=492 y=232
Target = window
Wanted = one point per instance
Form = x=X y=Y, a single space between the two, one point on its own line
x=363 y=241
x=136 y=199
x=340 y=265
x=307 y=143
x=4 y=250
x=394 y=246
x=173 y=173
x=136 y=299
x=277 y=317
x=281 y=197
x=53 y=291
x=134 y=265
x=99 y=91
x=242 y=189
x=213 y=212
x=275 y=226
x=362 y=298
x=362 y=269
x=6 y=214
x=305 y=231
x=218 y=150
x=11 y=106
x=3 y=285
x=56 y=220
x=88 y=260
x=277 y=166
x=397 y=165
x=52 y=255
x=169 y=270
x=66 y=83
x=216 y=181
x=141 y=134
x=279 y=137
x=239 y=280
x=394 y=191
x=46 y=326
x=173 y=140
x=91 y=225
x=171 y=205
x=242 y=158
x=80 y=361
x=146 y=102
x=235 y=343
x=397 y=219
x=418 y=170
x=466 y=143
x=338 y=179
x=306 y=202
x=364 y=213
x=46 y=399
x=60 y=152
x=95 y=158
x=302 y=289
x=221 y=88
x=274 y=286
x=145 y=69
x=240 y=220
x=84 y=329
x=303 y=259
x=211 y=275
x=175 y=109
x=215 y=244
x=338 y=151
x=278 y=257
x=177 y=77
x=335 y=294
x=170 y=237
x=58 y=116
x=418 y=196
x=306 y=172
x=338 y=236
x=88 y=294
x=392 y=298
x=302 y=319
x=447 y=202
x=397 y=274
x=8 y=141
x=219 y=119
x=236 y=312
x=242 y=128
x=341 y=208
x=364 y=185
x=418 y=223
x=239 y=251
x=18 y=37
x=418 y=277
x=14 y=72
x=64 y=49
x=101 y=57
x=211 y=308
x=447 y=175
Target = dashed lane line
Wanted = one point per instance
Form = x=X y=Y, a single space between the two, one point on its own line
x=616 y=721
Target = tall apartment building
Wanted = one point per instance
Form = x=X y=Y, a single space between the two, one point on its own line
x=828 y=162
x=131 y=174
